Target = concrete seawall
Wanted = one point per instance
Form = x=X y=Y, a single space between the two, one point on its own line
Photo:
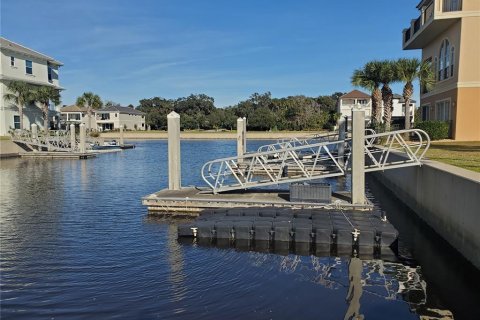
x=446 y=197
x=8 y=149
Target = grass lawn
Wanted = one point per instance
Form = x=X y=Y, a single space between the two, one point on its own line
x=461 y=154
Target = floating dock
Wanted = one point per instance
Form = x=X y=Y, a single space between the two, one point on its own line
x=57 y=155
x=309 y=229
x=191 y=201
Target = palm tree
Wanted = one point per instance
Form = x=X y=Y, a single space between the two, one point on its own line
x=43 y=95
x=90 y=101
x=21 y=94
x=408 y=70
x=369 y=78
x=388 y=75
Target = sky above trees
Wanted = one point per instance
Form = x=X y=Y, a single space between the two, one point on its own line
x=129 y=50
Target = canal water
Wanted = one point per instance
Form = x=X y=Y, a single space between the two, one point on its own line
x=76 y=243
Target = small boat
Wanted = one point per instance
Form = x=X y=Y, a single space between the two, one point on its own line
x=108 y=145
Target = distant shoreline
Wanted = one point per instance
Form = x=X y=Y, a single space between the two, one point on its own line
x=208 y=135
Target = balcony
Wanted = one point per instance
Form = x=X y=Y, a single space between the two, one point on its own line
x=434 y=18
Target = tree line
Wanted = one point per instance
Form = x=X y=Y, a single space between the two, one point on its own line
x=263 y=112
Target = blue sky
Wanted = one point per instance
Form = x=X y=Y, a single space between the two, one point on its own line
x=128 y=50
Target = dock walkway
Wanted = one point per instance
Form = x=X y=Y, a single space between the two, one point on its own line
x=192 y=200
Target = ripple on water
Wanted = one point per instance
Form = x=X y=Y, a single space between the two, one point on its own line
x=75 y=243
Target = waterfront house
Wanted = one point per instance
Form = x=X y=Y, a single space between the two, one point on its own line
x=75 y=115
x=359 y=98
x=354 y=98
x=19 y=63
x=447 y=32
x=114 y=117
x=398 y=112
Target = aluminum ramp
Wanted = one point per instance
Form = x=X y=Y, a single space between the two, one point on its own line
x=383 y=151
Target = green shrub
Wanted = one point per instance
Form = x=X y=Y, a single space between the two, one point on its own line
x=436 y=129
x=94 y=134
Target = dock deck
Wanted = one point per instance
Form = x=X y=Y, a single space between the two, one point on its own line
x=192 y=200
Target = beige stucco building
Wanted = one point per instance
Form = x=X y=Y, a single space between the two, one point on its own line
x=448 y=32
x=114 y=117
x=23 y=64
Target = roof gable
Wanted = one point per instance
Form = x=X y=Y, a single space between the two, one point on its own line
x=73 y=108
x=355 y=94
x=119 y=109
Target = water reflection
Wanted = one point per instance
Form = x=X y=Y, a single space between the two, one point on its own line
x=75 y=243
x=355 y=289
x=175 y=259
x=356 y=274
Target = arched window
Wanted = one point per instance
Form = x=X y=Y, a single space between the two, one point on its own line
x=452 y=61
x=444 y=60
x=436 y=68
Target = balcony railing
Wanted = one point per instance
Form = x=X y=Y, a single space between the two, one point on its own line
x=407 y=35
x=428 y=13
x=452 y=5
x=416 y=25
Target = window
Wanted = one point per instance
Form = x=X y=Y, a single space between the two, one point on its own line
x=445 y=61
x=442 y=110
x=12 y=61
x=362 y=101
x=50 y=77
x=105 y=116
x=452 y=60
x=425 y=113
x=16 y=122
x=74 y=116
x=28 y=67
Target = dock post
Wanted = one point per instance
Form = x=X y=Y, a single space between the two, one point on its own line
x=240 y=138
x=244 y=135
x=358 y=156
x=341 y=136
x=73 y=142
x=174 y=169
x=83 y=138
x=34 y=132
x=121 y=135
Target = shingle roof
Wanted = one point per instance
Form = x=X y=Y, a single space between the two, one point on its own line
x=355 y=94
x=119 y=109
x=73 y=108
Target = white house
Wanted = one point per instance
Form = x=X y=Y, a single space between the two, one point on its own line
x=20 y=63
x=356 y=97
x=76 y=115
x=398 y=113
x=114 y=117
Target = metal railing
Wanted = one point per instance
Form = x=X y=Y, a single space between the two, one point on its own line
x=313 y=161
x=305 y=141
x=55 y=140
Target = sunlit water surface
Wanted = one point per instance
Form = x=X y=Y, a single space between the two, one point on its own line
x=77 y=243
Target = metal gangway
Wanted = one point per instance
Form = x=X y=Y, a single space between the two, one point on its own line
x=306 y=140
x=383 y=151
x=54 y=140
